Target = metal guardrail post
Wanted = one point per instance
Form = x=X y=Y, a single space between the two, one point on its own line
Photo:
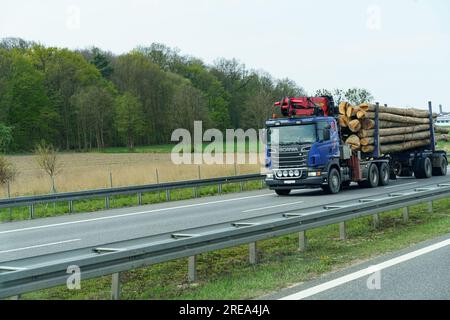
x=107 y=202
x=430 y=207
x=302 y=241
x=32 y=211
x=192 y=269
x=139 y=196
x=342 y=231
x=405 y=214
x=8 y=189
x=115 y=286
x=252 y=253
x=70 y=206
x=376 y=221
x=167 y=195
x=18 y=297
x=219 y=188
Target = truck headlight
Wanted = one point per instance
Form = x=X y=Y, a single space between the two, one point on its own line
x=297 y=173
x=285 y=173
x=314 y=174
x=279 y=174
x=291 y=173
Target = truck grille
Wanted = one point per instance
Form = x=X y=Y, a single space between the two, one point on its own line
x=289 y=157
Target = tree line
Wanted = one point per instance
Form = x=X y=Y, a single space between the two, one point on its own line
x=85 y=99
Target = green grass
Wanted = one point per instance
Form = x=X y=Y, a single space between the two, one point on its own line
x=91 y=205
x=226 y=274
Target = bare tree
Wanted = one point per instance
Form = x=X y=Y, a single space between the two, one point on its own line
x=7 y=173
x=47 y=159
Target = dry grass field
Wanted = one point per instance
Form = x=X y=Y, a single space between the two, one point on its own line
x=81 y=171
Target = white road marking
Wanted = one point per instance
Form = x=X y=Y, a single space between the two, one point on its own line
x=365 y=272
x=270 y=207
x=401 y=185
x=40 y=246
x=132 y=214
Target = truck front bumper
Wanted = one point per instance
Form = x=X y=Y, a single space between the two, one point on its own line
x=292 y=184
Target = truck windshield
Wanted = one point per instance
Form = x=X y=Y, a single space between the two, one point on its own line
x=300 y=134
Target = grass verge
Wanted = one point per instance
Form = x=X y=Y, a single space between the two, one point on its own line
x=226 y=274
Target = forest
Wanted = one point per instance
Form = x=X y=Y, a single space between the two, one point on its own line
x=91 y=99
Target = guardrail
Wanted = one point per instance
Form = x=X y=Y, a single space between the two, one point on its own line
x=31 y=201
x=31 y=274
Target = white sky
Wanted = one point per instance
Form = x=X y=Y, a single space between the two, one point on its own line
x=400 y=50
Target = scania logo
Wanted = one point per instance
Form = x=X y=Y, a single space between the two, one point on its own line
x=288 y=149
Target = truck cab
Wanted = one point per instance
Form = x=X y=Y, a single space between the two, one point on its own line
x=301 y=151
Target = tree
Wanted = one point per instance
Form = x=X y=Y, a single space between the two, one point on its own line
x=94 y=107
x=358 y=96
x=128 y=118
x=48 y=160
x=24 y=103
x=101 y=62
x=7 y=172
x=5 y=137
x=355 y=96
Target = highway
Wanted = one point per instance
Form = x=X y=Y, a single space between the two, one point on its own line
x=417 y=273
x=52 y=235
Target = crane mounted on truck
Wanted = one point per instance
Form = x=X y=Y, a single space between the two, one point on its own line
x=305 y=149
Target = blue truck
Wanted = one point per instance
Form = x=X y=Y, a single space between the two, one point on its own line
x=306 y=149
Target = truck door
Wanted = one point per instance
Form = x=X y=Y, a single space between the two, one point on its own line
x=328 y=141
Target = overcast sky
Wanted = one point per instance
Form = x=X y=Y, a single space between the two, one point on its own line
x=399 y=50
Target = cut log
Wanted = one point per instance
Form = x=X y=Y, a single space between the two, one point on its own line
x=406 y=112
x=352 y=111
x=398 y=147
x=361 y=114
x=343 y=121
x=343 y=107
x=367 y=124
x=441 y=130
x=354 y=126
x=398 y=138
x=393 y=131
x=396 y=118
x=354 y=142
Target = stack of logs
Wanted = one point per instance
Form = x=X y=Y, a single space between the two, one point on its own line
x=399 y=129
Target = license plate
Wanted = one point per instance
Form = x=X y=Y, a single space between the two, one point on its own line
x=289 y=182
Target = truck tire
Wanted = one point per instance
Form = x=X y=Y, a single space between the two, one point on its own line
x=334 y=182
x=423 y=168
x=373 y=178
x=442 y=169
x=384 y=174
x=283 y=192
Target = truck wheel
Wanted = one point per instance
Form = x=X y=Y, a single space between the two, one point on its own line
x=384 y=174
x=423 y=168
x=373 y=178
x=283 y=192
x=442 y=169
x=334 y=182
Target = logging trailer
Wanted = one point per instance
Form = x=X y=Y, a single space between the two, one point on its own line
x=306 y=149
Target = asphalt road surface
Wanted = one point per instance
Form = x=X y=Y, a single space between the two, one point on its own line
x=51 y=235
x=421 y=272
